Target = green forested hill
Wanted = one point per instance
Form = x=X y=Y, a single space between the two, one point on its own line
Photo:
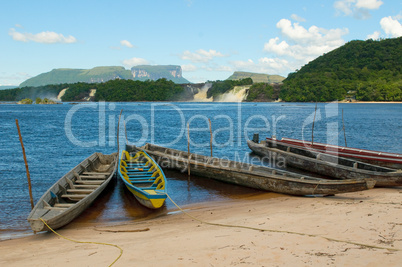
x=369 y=70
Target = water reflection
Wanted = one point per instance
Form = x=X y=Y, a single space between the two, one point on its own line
x=117 y=204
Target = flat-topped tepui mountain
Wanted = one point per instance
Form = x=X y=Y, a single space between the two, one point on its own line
x=104 y=74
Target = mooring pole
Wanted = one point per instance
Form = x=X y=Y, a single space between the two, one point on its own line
x=344 y=131
x=188 y=150
x=118 y=137
x=26 y=164
x=210 y=131
x=312 y=128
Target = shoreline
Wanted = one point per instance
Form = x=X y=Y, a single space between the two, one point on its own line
x=209 y=102
x=301 y=231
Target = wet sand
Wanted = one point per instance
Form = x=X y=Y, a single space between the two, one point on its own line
x=352 y=229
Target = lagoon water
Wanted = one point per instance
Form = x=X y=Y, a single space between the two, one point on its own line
x=58 y=137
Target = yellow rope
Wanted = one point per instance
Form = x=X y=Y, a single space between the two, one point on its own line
x=86 y=242
x=281 y=231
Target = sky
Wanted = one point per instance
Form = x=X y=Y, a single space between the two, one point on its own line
x=208 y=39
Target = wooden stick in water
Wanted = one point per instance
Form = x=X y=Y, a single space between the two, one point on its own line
x=210 y=130
x=344 y=132
x=312 y=128
x=188 y=150
x=26 y=164
x=118 y=130
x=125 y=131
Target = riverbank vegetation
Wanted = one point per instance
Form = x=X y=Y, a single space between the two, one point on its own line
x=263 y=92
x=129 y=90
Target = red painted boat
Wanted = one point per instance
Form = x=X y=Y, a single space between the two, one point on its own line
x=385 y=159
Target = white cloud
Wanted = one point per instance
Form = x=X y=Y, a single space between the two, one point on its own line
x=200 y=55
x=46 y=37
x=134 y=61
x=126 y=43
x=307 y=44
x=297 y=18
x=314 y=35
x=344 y=6
x=281 y=48
x=369 y=4
x=391 y=27
x=357 y=8
x=300 y=46
x=375 y=35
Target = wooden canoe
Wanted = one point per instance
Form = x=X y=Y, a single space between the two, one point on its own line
x=385 y=159
x=74 y=192
x=325 y=164
x=144 y=178
x=250 y=175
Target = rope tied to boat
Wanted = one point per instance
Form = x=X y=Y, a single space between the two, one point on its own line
x=86 y=242
x=280 y=231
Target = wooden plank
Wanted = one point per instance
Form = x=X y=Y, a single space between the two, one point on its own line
x=73 y=196
x=86 y=186
x=80 y=191
x=64 y=205
x=56 y=208
x=95 y=173
x=92 y=177
x=94 y=182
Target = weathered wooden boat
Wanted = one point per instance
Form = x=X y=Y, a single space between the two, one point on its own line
x=74 y=192
x=325 y=164
x=385 y=159
x=250 y=175
x=144 y=178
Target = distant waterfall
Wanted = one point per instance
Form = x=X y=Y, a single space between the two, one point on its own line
x=237 y=94
x=201 y=96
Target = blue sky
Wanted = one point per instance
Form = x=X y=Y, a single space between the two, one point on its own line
x=209 y=39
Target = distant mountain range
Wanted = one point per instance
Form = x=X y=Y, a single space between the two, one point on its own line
x=257 y=77
x=103 y=74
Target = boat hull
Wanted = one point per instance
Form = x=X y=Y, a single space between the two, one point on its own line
x=327 y=165
x=144 y=178
x=54 y=213
x=384 y=159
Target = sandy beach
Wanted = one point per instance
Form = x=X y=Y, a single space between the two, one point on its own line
x=351 y=229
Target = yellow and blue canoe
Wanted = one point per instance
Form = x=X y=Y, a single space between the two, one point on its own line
x=144 y=178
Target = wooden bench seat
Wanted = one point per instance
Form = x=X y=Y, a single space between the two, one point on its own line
x=89 y=182
x=80 y=191
x=92 y=177
x=74 y=197
x=96 y=173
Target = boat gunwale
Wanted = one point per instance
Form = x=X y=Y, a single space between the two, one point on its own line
x=354 y=151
